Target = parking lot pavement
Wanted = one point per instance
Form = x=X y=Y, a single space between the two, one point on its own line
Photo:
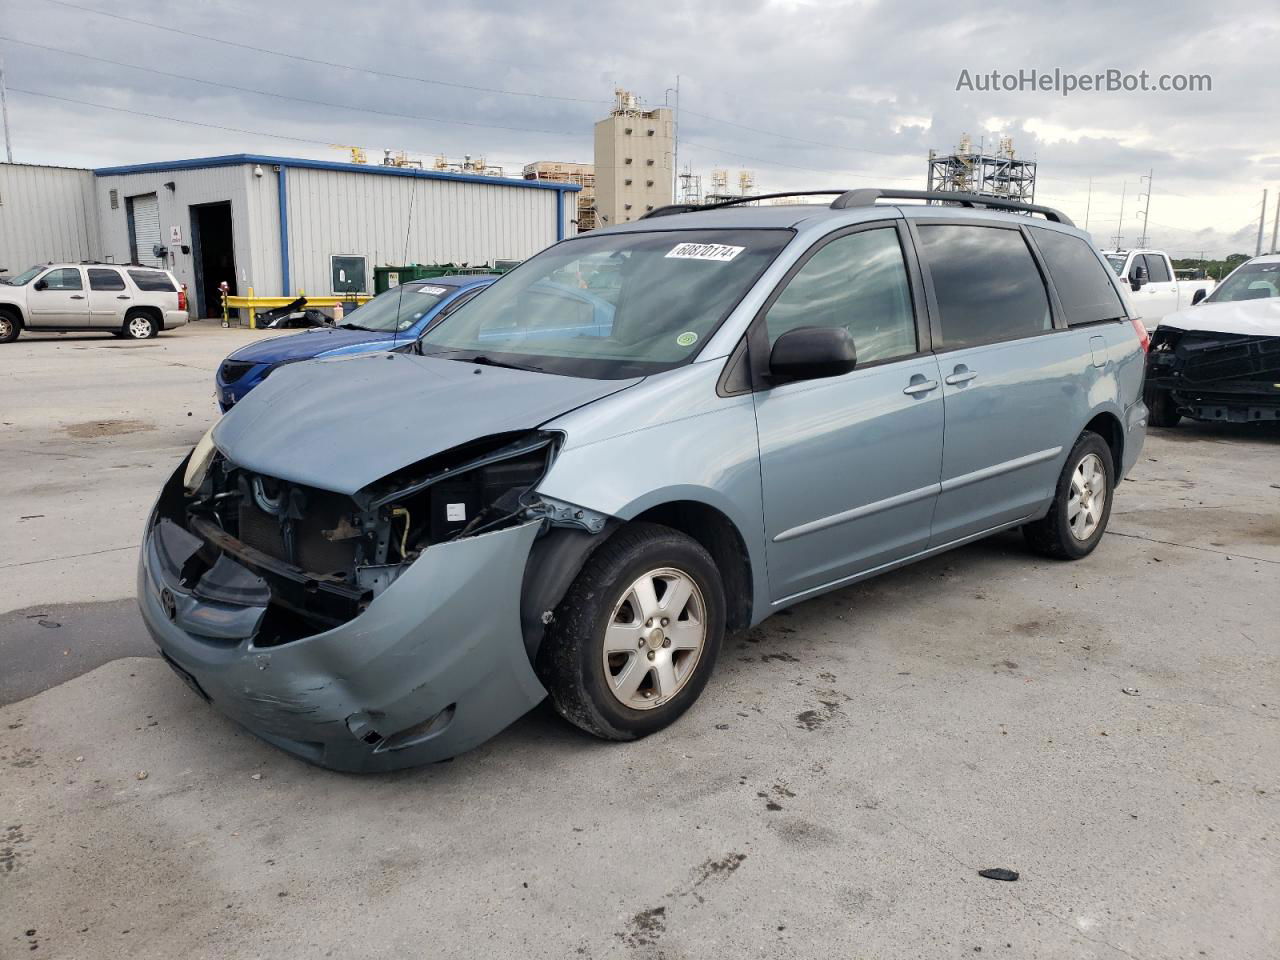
x=1106 y=728
x=89 y=427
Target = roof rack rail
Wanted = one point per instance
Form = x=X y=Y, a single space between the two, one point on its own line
x=674 y=208
x=868 y=196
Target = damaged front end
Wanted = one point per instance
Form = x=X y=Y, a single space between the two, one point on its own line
x=1215 y=376
x=362 y=631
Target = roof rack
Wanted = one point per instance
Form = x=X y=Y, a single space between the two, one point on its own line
x=674 y=208
x=866 y=197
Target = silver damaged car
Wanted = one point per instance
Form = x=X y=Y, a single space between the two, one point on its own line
x=636 y=442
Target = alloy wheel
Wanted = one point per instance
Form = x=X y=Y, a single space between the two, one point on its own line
x=654 y=638
x=1087 y=497
x=139 y=328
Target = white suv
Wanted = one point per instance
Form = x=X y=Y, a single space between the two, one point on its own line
x=126 y=300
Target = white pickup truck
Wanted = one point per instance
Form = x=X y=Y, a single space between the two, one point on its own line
x=1153 y=290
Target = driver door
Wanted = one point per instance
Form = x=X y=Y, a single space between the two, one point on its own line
x=850 y=464
x=58 y=299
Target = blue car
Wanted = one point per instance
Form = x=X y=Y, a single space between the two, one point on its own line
x=400 y=315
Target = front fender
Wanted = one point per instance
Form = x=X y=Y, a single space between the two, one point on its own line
x=711 y=458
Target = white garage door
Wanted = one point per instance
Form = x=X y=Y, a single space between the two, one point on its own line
x=146 y=229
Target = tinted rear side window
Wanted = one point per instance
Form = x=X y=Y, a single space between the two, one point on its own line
x=152 y=281
x=986 y=284
x=105 y=280
x=1084 y=285
x=1157 y=269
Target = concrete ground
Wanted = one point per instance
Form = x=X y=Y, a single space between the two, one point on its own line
x=1106 y=728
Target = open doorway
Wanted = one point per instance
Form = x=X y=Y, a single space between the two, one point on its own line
x=213 y=255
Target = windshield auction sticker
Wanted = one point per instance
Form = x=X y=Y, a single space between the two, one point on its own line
x=434 y=291
x=704 y=251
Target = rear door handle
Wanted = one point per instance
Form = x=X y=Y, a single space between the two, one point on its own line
x=123 y=296
x=920 y=386
x=961 y=374
x=77 y=296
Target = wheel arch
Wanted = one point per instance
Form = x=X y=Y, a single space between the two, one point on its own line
x=15 y=312
x=720 y=537
x=155 y=313
x=1107 y=425
x=557 y=558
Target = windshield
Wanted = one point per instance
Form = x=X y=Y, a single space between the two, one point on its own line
x=610 y=306
x=399 y=308
x=23 y=278
x=1117 y=262
x=1251 y=281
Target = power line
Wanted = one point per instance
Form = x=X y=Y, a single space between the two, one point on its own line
x=161 y=116
x=285 y=96
x=313 y=60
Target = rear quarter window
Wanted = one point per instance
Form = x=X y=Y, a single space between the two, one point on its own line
x=1083 y=284
x=152 y=281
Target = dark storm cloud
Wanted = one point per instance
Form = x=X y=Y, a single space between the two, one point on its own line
x=851 y=93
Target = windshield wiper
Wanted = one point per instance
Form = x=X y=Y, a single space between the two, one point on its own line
x=355 y=326
x=484 y=361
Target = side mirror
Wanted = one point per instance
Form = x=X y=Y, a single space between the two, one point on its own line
x=810 y=353
x=40 y=285
x=1138 y=277
x=1198 y=296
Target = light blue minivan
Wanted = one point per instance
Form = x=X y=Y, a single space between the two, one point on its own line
x=636 y=441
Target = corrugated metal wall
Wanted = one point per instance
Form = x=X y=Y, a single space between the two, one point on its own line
x=385 y=218
x=46 y=213
x=338 y=212
x=206 y=185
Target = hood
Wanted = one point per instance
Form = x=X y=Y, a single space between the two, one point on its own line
x=1251 y=318
x=341 y=424
x=305 y=344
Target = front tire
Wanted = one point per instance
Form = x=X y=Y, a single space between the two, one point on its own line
x=636 y=637
x=1081 y=506
x=139 y=326
x=1161 y=410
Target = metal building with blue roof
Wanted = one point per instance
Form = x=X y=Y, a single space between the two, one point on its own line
x=282 y=225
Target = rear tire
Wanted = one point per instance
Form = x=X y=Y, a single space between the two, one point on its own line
x=1161 y=411
x=636 y=637
x=1075 y=523
x=138 y=326
x=10 y=327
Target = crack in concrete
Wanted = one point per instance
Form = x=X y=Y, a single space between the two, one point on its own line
x=70 y=556
x=1190 y=546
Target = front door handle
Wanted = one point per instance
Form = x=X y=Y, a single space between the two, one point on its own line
x=123 y=296
x=77 y=296
x=919 y=385
x=961 y=374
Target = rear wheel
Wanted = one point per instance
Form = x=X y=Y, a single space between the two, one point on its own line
x=139 y=326
x=636 y=638
x=1081 y=504
x=10 y=327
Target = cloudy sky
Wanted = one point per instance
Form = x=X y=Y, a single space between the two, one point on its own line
x=803 y=94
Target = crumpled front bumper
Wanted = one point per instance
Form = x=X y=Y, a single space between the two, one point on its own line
x=435 y=665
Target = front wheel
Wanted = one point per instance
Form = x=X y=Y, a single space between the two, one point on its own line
x=636 y=638
x=1081 y=503
x=139 y=326
x=9 y=328
x=1161 y=410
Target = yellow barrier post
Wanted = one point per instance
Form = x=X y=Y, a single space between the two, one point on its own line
x=253 y=313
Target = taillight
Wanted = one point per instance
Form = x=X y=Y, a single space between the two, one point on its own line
x=1144 y=338
x=182 y=298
